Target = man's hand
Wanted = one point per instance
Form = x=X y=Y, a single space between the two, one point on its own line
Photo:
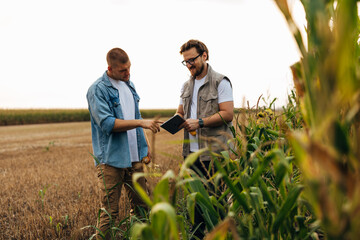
x=125 y=125
x=153 y=125
x=190 y=124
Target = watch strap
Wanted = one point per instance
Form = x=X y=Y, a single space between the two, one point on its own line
x=201 y=123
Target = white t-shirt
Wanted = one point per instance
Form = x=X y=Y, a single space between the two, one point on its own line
x=128 y=109
x=225 y=94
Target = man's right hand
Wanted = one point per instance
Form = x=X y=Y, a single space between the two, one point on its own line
x=153 y=125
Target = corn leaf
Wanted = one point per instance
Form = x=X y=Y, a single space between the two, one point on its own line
x=163 y=214
x=140 y=190
x=286 y=207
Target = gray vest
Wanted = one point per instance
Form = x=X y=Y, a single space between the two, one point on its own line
x=207 y=105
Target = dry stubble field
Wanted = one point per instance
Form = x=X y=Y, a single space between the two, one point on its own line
x=48 y=181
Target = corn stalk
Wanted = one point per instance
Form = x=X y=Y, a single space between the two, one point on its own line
x=327 y=79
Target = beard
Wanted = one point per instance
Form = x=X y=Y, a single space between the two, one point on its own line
x=198 y=71
x=122 y=78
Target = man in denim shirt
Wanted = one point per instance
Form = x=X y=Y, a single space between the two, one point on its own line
x=118 y=137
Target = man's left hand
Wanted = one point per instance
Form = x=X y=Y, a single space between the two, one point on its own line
x=191 y=124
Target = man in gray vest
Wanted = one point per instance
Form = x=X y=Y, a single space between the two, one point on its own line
x=207 y=106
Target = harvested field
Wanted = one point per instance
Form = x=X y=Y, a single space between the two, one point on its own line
x=49 y=186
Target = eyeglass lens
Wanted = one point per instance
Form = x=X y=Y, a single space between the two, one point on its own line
x=190 y=61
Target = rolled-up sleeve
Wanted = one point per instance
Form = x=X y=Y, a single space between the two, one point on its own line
x=100 y=110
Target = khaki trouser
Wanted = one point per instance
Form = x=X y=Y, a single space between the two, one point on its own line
x=111 y=180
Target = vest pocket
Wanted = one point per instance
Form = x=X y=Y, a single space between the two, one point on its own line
x=208 y=104
x=185 y=96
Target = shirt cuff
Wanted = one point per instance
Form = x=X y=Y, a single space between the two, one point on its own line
x=108 y=125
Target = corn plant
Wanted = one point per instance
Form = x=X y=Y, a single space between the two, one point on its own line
x=164 y=222
x=327 y=78
x=256 y=193
x=42 y=193
x=51 y=144
x=263 y=190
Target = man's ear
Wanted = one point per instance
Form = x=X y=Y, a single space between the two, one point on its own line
x=205 y=56
x=109 y=68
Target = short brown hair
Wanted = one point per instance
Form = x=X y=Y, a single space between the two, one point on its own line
x=116 y=56
x=200 y=47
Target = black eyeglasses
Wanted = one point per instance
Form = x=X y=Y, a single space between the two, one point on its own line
x=191 y=61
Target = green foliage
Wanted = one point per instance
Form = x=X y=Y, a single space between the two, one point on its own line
x=152 y=113
x=51 y=144
x=257 y=189
x=327 y=80
x=164 y=223
x=35 y=116
x=265 y=192
x=292 y=113
x=42 y=193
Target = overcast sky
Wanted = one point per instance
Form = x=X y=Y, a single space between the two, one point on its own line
x=51 y=51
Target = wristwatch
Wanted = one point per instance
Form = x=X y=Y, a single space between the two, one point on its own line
x=201 y=123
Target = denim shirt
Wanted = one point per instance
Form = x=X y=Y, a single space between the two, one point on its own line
x=111 y=148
